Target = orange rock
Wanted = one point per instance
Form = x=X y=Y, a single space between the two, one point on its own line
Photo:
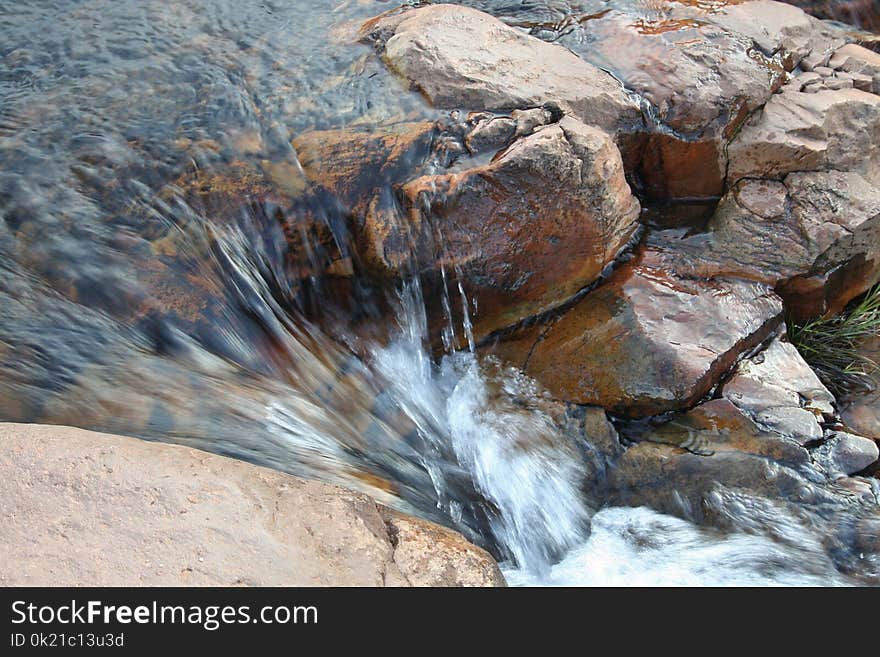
x=646 y=341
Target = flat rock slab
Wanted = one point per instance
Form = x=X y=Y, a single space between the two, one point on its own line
x=89 y=509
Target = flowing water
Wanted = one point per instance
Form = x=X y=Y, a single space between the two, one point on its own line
x=148 y=287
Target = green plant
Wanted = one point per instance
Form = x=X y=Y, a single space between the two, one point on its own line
x=833 y=346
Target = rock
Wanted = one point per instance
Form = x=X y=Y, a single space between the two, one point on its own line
x=860 y=410
x=676 y=466
x=700 y=70
x=847 y=453
x=859 y=80
x=354 y=164
x=87 y=509
x=646 y=341
x=854 y=58
x=861 y=13
x=780 y=391
x=463 y=58
x=814 y=236
x=830 y=130
x=522 y=233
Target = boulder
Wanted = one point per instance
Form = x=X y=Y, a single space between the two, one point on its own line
x=88 y=509
x=780 y=391
x=463 y=58
x=814 y=236
x=521 y=223
x=646 y=341
x=700 y=71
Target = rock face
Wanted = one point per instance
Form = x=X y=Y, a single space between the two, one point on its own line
x=462 y=58
x=646 y=341
x=520 y=233
x=87 y=509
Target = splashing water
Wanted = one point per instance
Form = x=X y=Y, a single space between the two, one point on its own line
x=640 y=547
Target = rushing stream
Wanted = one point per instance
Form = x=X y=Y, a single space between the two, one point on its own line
x=130 y=304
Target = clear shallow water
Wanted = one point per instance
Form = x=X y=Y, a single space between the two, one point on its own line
x=146 y=288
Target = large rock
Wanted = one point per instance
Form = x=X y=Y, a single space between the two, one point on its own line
x=814 y=235
x=462 y=58
x=521 y=222
x=87 y=509
x=646 y=341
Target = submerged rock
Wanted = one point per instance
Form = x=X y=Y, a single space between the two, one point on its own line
x=88 y=509
x=646 y=341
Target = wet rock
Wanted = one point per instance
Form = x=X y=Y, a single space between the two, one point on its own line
x=701 y=70
x=677 y=466
x=463 y=58
x=522 y=233
x=847 y=453
x=830 y=130
x=814 y=236
x=646 y=341
x=780 y=391
x=95 y=509
x=354 y=163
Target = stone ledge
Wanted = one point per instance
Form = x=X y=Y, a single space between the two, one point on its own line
x=89 y=509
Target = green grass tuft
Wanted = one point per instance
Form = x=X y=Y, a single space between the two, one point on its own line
x=832 y=346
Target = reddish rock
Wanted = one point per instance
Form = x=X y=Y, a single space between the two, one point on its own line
x=700 y=70
x=646 y=341
x=521 y=233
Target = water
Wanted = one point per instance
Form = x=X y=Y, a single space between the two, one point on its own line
x=640 y=547
x=149 y=196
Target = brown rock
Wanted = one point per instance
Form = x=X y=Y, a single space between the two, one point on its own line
x=87 y=509
x=354 y=164
x=646 y=341
x=700 y=70
x=463 y=58
x=523 y=233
